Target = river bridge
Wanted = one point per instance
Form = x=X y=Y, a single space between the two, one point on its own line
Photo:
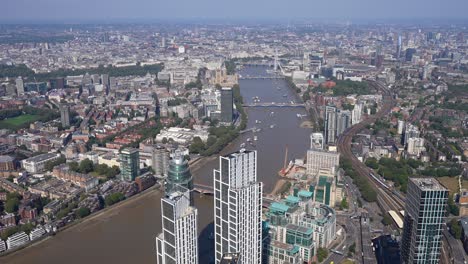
x=208 y=190
x=273 y=104
x=271 y=77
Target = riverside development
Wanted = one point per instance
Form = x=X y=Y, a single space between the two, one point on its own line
x=252 y=151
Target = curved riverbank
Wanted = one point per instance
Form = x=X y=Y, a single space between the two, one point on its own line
x=106 y=213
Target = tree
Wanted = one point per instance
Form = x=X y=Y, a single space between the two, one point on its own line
x=82 y=212
x=86 y=166
x=197 y=145
x=372 y=163
x=322 y=254
x=352 y=249
x=455 y=228
x=49 y=166
x=11 y=205
x=164 y=140
x=74 y=166
x=114 y=198
x=344 y=204
x=452 y=207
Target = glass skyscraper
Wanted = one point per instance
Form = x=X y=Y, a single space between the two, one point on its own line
x=424 y=221
x=179 y=174
x=226 y=105
x=129 y=164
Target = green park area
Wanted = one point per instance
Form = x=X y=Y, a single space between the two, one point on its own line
x=18 y=122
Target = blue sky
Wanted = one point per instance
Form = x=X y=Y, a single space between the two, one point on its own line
x=83 y=10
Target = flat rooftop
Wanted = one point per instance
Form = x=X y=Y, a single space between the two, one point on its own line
x=428 y=184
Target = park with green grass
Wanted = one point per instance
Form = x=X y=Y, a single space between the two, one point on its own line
x=15 y=119
x=18 y=122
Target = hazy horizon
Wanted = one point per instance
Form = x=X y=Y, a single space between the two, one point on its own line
x=79 y=11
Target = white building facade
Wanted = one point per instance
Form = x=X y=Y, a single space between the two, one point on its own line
x=178 y=242
x=238 y=208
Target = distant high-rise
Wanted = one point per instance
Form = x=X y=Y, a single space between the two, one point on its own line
x=330 y=124
x=160 y=161
x=65 y=115
x=409 y=54
x=112 y=83
x=163 y=42
x=179 y=173
x=411 y=131
x=19 y=86
x=357 y=113
x=238 y=208
x=226 y=105
x=178 y=241
x=424 y=221
x=105 y=80
x=343 y=121
x=129 y=164
x=398 y=51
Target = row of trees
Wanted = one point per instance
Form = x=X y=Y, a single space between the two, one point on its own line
x=87 y=166
x=114 y=198
x=24 y=71
x=393 y=170
x=367 y=192
x=49 y=166
x=176 y=101
x=27 y=228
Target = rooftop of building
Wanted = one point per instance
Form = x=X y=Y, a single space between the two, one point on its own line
x=291 y=249
x=41 y=157
x=305 y=193
x=4 y=158
x=238 y=153
x=299 y=229
x=428 y=184
x=129 y=151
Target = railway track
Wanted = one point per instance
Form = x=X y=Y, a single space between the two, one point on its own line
x=387 y=199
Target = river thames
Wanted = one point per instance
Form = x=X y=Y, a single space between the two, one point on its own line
x=126 y=234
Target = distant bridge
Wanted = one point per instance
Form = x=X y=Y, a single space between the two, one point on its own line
x=257 y=64
x=261 y=77
x=205 y=189
x=297 y=105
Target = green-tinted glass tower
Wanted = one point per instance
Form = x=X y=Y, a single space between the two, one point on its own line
x=129 y=164
x=179 y=174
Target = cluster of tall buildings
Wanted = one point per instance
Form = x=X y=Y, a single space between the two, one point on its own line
x=293 y=230
x=412 y=140
x=336 y=122
x=238 y=212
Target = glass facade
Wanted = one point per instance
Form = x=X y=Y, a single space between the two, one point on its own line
x=179 y=174
x=129 y=164
x=424 y=221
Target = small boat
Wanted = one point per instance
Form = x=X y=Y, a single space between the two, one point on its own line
x=272 y=126
x=248 y=140
x=272 y=113
x=242 y=145
x=285 y=95
x=255 y=138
